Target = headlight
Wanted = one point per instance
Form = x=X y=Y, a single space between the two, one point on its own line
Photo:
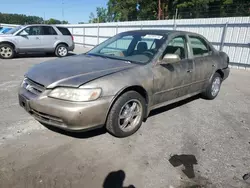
x=75 y=94
x=23 y=84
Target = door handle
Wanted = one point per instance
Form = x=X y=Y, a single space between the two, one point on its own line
x=189 y=71
x=37 y=37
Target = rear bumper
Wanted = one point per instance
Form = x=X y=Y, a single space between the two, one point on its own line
x=71 y=48
x=71 y=116
x=226 y=72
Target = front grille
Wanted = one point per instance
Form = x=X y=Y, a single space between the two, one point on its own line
x=33 y=87
x=47 y=118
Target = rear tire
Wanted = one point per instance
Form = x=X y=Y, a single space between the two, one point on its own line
x=213 y=88
x=126 y=115
x=61 y=50
x=6 y=51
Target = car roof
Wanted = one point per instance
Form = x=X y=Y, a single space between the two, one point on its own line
x=160 y=32
x=44 y=25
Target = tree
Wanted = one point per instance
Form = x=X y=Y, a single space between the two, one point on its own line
x=65 y=22
x=147 y=9
x=22 y=19
x=123 y=10
x=211 y=8
x=92 y=18
x=101 y=16
x=19 y=19
x=132 y=10
x=52 y=21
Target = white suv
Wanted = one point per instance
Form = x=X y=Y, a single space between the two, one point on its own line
x=36 y=38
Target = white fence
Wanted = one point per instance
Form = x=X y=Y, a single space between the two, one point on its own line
x=231 y=35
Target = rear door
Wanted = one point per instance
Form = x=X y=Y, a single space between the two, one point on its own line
x=173 y=80
x=30 y=42
x=204 y=64
x=66 y=36
x=49 y=38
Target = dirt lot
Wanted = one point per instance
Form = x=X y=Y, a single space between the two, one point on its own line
x=194 y=143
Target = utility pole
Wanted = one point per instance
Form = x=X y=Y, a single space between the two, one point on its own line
x=159 y=9
x=44 y=17
x=62 y=10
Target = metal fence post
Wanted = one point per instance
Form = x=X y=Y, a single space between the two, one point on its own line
x=223 y=36
x=116 y=30
x=98 y=33
x=141 y=26
x=175 y=17
x=83 y=40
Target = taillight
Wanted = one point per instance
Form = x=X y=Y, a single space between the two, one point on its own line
x=72 y=37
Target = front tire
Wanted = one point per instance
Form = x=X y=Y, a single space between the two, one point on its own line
x=213 y=88
x=126 y=115
x=6 y=51
x=61 y=50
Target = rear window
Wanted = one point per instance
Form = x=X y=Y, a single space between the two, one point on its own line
x=64 y=30
x=47 y=30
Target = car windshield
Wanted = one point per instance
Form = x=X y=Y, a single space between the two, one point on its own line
x=137 y=47
x=15 y=29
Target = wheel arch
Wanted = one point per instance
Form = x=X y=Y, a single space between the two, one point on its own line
x=220 y=72
x=136 y=88
x=64 y=43
x=9 y=43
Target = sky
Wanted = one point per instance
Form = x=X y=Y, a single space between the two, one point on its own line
x=74 y=10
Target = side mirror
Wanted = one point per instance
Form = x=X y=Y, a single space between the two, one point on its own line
x=170 y=58
x=23 y=33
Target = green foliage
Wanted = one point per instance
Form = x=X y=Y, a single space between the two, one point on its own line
x=132 y=10
x=19 y=19
x=52 y=21
x=148 y=10
x=22 y=19
x=123 y=10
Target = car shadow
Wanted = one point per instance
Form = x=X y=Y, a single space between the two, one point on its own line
x=38 y=55
x=173 y=105
x=79 y=135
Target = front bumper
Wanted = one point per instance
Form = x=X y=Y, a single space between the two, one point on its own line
x=72 y=116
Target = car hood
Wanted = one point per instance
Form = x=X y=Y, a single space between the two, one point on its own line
x=75 y=70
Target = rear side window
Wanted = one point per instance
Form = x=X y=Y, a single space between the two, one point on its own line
x=64 y=30
x=48 y=30
x=199 y=46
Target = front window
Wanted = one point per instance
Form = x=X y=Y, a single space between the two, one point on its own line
x=177 y=46
x=15 y=29
x=139 y=47
x=33 y=30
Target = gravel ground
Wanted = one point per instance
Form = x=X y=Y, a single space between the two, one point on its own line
x=193 y=143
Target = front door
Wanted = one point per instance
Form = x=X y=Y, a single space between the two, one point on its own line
x=173 y=80
x=31 y=41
